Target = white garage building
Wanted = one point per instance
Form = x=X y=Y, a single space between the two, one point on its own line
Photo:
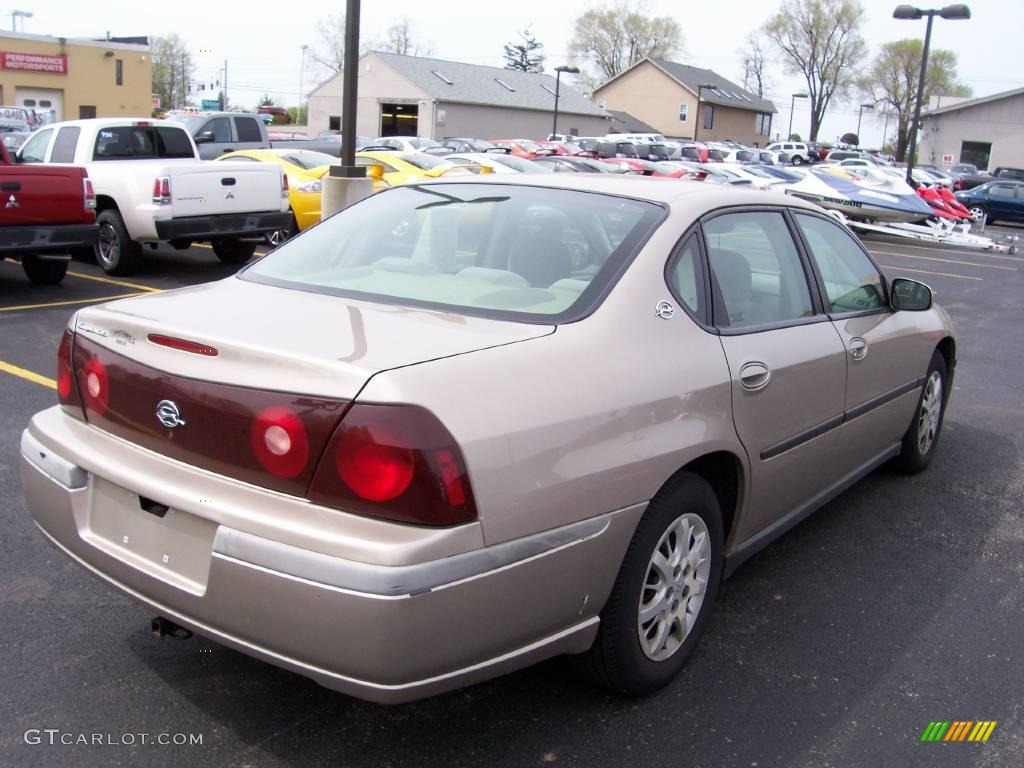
x=987 y=131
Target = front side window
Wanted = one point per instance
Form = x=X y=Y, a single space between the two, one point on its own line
x=522 y=253
x=1001 y=190
x=852 y=283
x=34 y=150
x=758 y=276
x=220 y=127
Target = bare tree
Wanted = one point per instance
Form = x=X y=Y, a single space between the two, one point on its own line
x=755 y=64
x=820 y=39
x=614 y=39
x=892 y=80
x=399 y=39
x=172 y=70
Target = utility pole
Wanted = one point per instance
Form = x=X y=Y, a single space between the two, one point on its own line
x=302 y=67
x=224 y=91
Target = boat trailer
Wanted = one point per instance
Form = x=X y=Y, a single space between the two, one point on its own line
x=939 y=233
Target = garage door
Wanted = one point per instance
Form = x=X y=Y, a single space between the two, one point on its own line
x=46 y=105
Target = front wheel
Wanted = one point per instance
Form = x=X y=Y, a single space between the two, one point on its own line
x=44 y=271
x=978 y=213
x=663 y=593
x=234 y=251
x=798 y=160
x=923 y=434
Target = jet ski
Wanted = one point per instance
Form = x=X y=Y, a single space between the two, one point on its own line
x=869 y=196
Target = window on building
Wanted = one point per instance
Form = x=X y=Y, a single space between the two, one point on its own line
x=684 y=110
x=762 y=124
x=976 y=153
x=119 y=72
x=709 y=116
x=600 y=104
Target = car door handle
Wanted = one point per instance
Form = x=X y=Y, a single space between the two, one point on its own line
x=858 y=348
x=755 y=376
x=225 y=151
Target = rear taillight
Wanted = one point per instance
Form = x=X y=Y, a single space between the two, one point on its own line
x=162 y=190
x=67 y=392
x=89 y=194
x=279 y=441
x=284 y=186
x=396 y=462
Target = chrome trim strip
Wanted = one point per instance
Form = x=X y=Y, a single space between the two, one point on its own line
x=49 y=463
x=398 y=581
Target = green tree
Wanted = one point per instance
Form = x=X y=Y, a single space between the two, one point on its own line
x=525 y=55
x=172 y=70
x=614 y=39
x=893 y=77
x=795 y=137
x=265 y=101
x=821 y=40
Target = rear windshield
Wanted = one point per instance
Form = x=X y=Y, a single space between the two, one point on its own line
x=508 y=251
x=308 y=159
x=135 y=142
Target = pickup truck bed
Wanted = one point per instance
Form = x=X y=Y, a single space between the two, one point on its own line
x=45 y=213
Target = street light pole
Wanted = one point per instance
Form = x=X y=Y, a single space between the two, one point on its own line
x=951 y=12
x=302 y=67
x=792 y=107
x=696 y=120
x=558 y=75
x=859 y=113
x=14 y=19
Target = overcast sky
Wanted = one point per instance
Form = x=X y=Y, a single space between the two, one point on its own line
x=263 y=49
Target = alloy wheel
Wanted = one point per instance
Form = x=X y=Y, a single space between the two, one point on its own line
x=109 y=244
x=930 y=413
x=674 y=587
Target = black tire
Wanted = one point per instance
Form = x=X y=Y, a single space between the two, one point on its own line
x=617 y=660
x=117 y=253
x=797 y=160
x=44 y=271
x=278 y=236
x=918 y=448
x=233 y=251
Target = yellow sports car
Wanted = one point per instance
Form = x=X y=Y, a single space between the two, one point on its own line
x=403 y=167
x=304 y=169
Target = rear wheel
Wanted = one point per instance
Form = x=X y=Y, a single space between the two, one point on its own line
x=233 y=251
x=663 y=593
x=117 y=253
x=44 y=271
x=278 y=236
x=923 y=434
x=797 y=160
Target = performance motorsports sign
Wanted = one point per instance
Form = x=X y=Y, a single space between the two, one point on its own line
x=34 y=62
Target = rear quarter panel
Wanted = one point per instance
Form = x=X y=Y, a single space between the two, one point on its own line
x=590 y=419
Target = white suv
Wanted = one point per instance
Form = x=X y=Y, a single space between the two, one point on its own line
x=797 y=150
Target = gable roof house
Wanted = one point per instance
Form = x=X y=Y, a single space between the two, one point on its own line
x=664 y=94
x=433 y=98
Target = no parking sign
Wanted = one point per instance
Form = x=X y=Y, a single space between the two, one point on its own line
x=947 y=159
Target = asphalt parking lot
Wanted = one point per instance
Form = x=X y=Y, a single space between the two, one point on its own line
x=900 y=603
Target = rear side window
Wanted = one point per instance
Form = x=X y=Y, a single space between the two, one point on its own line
x=135 y=142
x=248 y=129
x=758 y=276
x=64 y=146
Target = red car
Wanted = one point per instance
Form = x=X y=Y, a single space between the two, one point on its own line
x=523 y=148
x=560 y=147
x=47 y=212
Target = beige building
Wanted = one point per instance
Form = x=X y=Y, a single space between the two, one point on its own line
x=434 y=98
x=56 y=78
x=987 y=132
x=664 y=94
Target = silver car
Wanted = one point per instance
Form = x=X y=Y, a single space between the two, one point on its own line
x=464 y=426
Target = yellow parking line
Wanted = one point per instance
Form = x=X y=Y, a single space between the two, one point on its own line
x=47 y=305
x=926 y=272
x=28 y=375
x=948 y=261
x=121 y=283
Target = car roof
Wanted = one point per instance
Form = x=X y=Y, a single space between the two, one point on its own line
x=675 y=193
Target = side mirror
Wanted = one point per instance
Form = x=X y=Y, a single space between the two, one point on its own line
x=910 y=295
x=204 y=137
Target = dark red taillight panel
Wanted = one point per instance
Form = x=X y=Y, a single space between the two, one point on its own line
x=270 y=439
x=396 y=462
x=67 y=391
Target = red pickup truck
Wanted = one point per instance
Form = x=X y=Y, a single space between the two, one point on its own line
x=45 y=212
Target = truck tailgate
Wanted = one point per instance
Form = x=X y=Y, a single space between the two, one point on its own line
x=212 y=188
x=42 y=194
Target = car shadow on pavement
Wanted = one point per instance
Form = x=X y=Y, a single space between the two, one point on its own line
x=828 y=648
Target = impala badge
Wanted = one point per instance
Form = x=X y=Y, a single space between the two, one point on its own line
x=167 y=413
x=12 y=202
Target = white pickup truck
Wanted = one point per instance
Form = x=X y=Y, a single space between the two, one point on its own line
x=152 y=187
